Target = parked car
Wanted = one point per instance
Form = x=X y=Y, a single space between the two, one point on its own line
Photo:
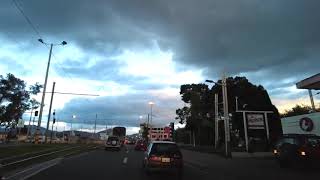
x=113 y=143
x=163 y=156
x=297 y=148
x=140 y=145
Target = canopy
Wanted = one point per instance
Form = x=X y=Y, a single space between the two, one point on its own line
x=312 y=82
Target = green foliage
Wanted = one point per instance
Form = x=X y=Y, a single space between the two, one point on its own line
x=199 y=115
x=15 y=99
x=297 y=110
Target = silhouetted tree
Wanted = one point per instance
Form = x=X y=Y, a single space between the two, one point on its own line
x=297 y=110
x=15 y=99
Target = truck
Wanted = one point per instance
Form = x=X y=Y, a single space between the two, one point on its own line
x=119 y=132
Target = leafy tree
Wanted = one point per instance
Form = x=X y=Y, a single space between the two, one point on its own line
x=200 y=115
x=297 y=110
x=15 y=99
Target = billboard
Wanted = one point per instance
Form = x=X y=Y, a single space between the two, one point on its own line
x=255 y=121
x=302 y=124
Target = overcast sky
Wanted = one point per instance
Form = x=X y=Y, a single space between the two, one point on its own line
x=131 y=52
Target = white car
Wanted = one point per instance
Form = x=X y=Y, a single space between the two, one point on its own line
x=113 y=143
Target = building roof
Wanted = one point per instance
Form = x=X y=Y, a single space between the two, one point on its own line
x=312 y=82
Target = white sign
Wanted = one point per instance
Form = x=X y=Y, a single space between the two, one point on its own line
x=302 y=124
x=255 y=121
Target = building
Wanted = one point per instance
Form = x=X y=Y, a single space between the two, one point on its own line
x=159 y=133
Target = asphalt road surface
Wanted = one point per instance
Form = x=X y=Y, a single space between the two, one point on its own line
x=126 y=164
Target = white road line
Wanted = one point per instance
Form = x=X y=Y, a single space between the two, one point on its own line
x=125 y=160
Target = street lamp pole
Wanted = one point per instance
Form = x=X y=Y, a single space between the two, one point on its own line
x=226 y=115
x=151 y=105
x=44 y=88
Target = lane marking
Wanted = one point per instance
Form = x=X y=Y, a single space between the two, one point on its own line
x=125 y=160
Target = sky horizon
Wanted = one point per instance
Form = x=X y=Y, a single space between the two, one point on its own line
x=131 y=53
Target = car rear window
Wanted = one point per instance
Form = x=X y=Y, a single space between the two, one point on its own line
x=165 y=149
x=113 y=139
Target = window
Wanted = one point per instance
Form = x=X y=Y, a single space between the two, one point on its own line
x=153 y=136
x=165 y=136
x=165 y=148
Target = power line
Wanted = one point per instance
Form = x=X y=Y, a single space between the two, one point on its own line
x=26 y=18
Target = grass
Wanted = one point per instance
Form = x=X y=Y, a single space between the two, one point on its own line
x=11 y=151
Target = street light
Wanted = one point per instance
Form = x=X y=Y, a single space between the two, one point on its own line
x=226 y=114
x=45 y=85
x=151 y=105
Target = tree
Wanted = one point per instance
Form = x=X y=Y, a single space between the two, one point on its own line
x=15 y=99
x=200 y=115
x=297 y=110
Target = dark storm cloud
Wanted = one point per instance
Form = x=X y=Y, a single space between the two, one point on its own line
x=119 y=110
x=231 y=35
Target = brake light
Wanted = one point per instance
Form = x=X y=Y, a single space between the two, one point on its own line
x=155 y=158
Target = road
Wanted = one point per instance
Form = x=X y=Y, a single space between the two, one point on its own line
x=101 y=164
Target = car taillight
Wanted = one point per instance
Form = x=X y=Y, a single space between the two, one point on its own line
x=154 y=158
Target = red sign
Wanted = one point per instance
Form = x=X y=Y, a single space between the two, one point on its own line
x=167 y=130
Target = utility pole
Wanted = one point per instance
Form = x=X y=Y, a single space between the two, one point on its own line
x=49 y=115
x=28 y=133
x=54 y=121
x=43 y=96
x=216 y=114
x=45 y=87
x=226 y=117
x=95 y=125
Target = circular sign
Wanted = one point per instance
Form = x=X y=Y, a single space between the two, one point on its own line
x=306 y=124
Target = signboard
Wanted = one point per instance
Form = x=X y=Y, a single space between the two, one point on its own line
x=302 y=124
x=255 y=121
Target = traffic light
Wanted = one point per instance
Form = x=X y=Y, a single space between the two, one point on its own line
x=36 y=113
x=54 y=120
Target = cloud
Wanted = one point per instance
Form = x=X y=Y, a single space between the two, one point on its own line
x=155 y=45
x=121 y=110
